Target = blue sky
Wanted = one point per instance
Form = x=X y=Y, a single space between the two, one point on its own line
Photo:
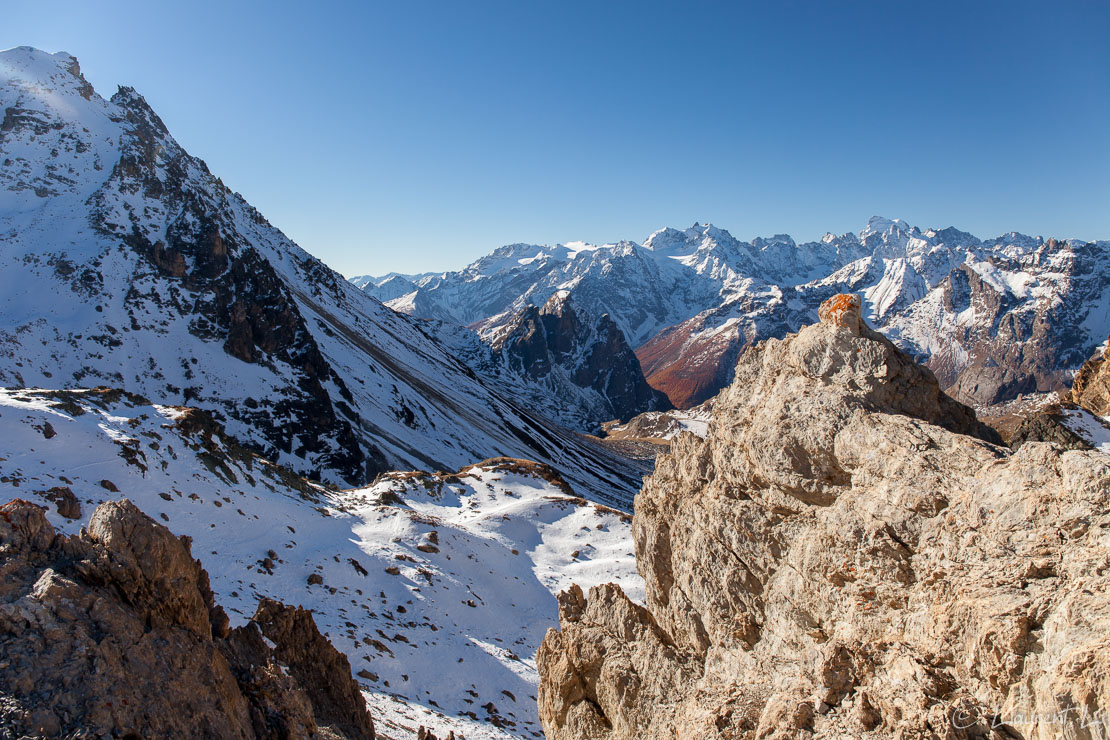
x=417 y=135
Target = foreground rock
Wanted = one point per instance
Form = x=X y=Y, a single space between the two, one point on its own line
x=115 y=633
x=1091 y=387
x=848 y=553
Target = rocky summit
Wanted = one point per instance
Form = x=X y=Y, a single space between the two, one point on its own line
x=127 y=264
x=847 y=553
x=115 y=633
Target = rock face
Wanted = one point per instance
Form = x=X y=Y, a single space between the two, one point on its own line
x=1091 y=387
x=559 y=345
x=1048 y=425
x=115 y=632
x=847 y=552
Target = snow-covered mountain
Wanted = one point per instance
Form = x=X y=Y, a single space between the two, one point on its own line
x=124 y=262
x=389 y=286
x=558 y=360
x=992 y=318
x=437 y=587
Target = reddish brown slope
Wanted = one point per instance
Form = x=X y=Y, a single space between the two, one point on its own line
x=689 y=369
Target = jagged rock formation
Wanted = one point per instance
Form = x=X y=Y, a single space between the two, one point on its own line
x=847 y=553
x=1078 y=419
x=1091 y=387
x=558 y=360
x=558 y=346
x=114 y=632
x=437 y=587
x=1048 y=425
x=992 y=318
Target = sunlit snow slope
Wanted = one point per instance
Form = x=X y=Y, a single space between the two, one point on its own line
x=124 y=262
x=438 y=588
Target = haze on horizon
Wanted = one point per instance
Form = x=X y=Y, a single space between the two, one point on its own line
x=410 y=137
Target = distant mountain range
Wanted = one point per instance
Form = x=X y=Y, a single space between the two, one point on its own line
x=992 y=318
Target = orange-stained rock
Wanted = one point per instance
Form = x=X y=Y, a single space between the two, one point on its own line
x=843 y=309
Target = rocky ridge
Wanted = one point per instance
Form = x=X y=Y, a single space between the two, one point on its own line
x=558 y=345
x=1091 y=387
x=848 y=553
x=115 y=632
x=1078 y=419
x=437 y=587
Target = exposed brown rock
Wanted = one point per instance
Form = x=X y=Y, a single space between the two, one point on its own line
x=114 y=632
x=322 y=671
x=690 y=372
x=844 y=554
x=1091 y=387
x=65 y=501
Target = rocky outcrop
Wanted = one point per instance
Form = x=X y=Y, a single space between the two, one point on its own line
x=1048 y=425
x=847 y=553
x=1091 y=387
x=115 y=633
x=1062 y=422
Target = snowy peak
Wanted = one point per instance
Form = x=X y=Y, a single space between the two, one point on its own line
x=46 y=74
x=676 y=243
x=881 y=225
x=558 y=304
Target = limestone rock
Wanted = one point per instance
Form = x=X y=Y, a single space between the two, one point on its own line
x=1091 y=387
x=842 y=309
x=115 y=633
x=848 y=552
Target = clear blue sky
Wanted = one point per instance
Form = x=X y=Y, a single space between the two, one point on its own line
x=415 y=135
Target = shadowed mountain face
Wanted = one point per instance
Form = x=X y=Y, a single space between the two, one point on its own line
x=126 y=263
x=992 y=318
x=559 y=342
